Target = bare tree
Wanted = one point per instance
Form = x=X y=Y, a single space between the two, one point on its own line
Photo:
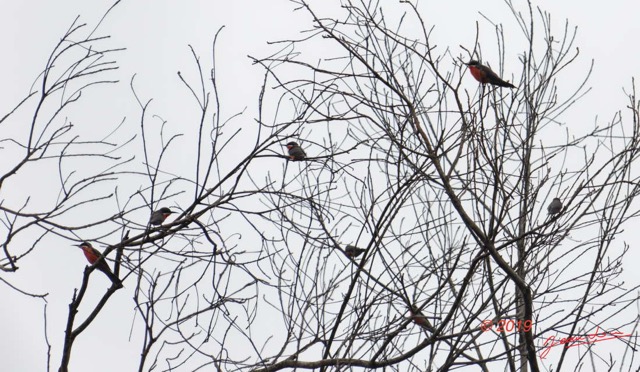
x=448 y=191
x=413 y=236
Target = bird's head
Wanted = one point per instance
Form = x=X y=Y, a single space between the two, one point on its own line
x=165 y=210
x=473 y=62
x=84 y=245
x=291 y=145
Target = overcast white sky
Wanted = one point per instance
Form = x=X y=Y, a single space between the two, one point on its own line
x=157 y=34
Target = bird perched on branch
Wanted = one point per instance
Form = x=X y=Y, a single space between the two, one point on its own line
x=93 y=255
x=352 y=251
x=555 y=206
x=158 y=217
x=485 y=75
x=296 y=153
x=419 y=318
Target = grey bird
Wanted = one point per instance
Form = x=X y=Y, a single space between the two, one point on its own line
x=296 y=153
x=158 y=217
x=352 y=251
x=555 y=206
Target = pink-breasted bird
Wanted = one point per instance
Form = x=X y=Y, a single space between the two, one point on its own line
x=92 y=256
x=296 y=153
x=158 y=217
x=420 y=319
x=485 y=75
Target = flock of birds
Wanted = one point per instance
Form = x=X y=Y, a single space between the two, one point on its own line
x=93 y=255
x=481 y=73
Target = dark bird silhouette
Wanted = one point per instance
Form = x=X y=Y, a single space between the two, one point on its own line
x=555 y=206
x=353 y=251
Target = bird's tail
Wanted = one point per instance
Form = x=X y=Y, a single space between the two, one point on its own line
x=505 y=84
